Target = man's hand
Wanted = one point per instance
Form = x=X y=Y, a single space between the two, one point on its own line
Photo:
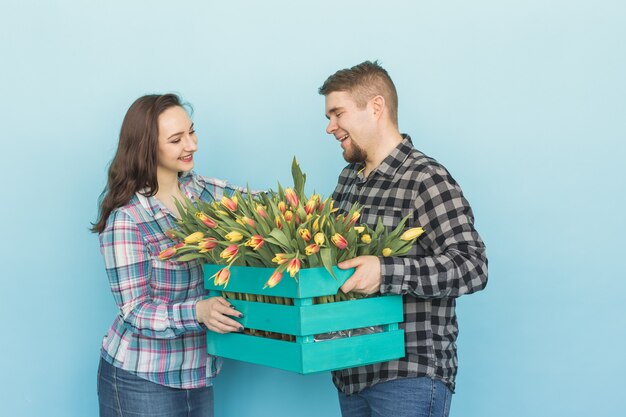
x=366 y=279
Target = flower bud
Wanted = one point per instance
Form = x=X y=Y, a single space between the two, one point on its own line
x=195 y=237
x=229 y=253
x=293 y=267
x=206 y=220
x=230 y=204
x=367 y=239
x=411 y=234
x=305 y=234
x=274 y=279
x=167 y=253
x=261 y=211
x=339 y=241
x=233 y=236
x=207 y=245
x=291 y=197
x=255 y=242
x=280 y=258
x=221 y=277
x=312 y=249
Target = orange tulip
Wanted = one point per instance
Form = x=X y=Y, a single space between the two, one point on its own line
x=261 y=211
x=282 y=206
x=246 y=220
x=288 y=215
x=293 y=267
x=229 y=253
x=355 y=217
x=310 y=206
x=305 y=234
x=291 y=197
x=274 y=279
x=208 y=222
x=279 y=222
x=207 y=245
x=221 y=277
x=255 y=242
x=339 y=241
x=230 y=204
x=167 y=253
x=170 y=233
x=312 y=249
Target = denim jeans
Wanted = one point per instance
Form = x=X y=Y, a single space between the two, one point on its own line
x=406 y=397
x=122 y=394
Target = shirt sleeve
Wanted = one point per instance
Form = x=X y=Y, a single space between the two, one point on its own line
x=455 y=261
x=213 y=189
x=129 y=269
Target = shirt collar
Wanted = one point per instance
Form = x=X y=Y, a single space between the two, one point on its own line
x=152 y=204
x=389 y=166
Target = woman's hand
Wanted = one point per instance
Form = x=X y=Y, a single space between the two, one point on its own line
x=213 y=313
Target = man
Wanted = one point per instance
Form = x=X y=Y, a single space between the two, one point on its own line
x=391 y=179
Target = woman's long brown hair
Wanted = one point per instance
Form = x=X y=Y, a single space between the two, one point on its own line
x=135 y=163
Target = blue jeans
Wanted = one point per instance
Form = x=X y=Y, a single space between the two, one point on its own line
x=122 y=394
x=406 y=397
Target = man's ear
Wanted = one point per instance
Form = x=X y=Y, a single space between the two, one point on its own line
x=378 y=105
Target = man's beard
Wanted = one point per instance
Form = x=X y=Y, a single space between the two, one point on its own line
x=354 y=154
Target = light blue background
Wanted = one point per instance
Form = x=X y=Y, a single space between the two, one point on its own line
x=524 y=102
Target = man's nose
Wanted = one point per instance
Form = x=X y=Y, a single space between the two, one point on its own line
x=331 y=127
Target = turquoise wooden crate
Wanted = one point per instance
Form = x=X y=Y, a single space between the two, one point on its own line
x=304 y=320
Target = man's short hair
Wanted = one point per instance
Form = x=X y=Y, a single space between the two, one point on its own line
x=364 y=81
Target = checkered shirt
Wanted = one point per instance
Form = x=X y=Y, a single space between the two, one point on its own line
x=448 y=260
x=156 y=335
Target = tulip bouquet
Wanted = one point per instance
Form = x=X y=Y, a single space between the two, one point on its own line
x=285 y=230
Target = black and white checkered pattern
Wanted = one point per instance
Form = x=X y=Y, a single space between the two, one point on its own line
x=449 y=260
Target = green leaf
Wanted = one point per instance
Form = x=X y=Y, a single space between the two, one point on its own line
x=299 y=179
x=327 y=260
x=189 y=257
x=282 y=239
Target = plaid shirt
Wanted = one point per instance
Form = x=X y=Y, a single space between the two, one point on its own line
x=448 y=260
x=156 y=335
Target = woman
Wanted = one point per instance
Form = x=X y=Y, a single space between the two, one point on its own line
x=153 y=359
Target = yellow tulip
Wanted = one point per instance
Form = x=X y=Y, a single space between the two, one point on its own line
x=233 y=236
x=412 y=233
x=387 y=252
x=319 y=238
x=194 y=238
x=280 y=258
x=367 y=239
